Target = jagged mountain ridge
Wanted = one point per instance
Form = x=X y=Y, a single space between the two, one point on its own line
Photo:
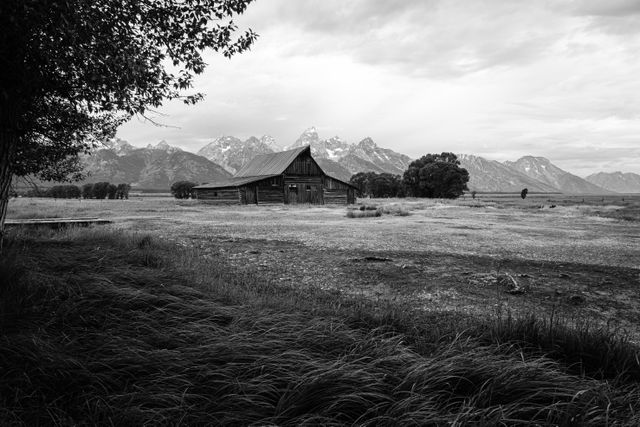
x=616 y=181
x=155 y=167
x=541 y=169
x=232 y=153
x=336 y=156
x=333 y=148
x=364 y=156
x=493 y=176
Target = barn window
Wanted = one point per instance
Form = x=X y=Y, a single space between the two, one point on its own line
x=308 y=187
x=274 y=182
x=293 y=188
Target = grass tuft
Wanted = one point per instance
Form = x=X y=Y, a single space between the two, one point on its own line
x=364 y=213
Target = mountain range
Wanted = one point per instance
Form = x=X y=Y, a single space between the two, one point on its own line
x=616 y=181
x=157 y=166
x=154 y=167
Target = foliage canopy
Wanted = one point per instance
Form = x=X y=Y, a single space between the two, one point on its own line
x=182 y=189
x=436 y=176
x=73 y=70
x=378 y=184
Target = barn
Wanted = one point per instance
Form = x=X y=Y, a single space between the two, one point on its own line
x=289 y=177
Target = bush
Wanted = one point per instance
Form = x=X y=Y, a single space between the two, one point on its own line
x=182 y=189
x=395 y=210
x=364 y=213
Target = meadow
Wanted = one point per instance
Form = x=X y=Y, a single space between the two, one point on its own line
x=485 y=311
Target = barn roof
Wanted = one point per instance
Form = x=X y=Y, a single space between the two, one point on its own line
x=262 y=167
x=270 y=164
x=234 y=181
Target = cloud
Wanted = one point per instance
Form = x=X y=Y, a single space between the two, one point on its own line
x=619 y=8
x=434 y=38
x=495 y=78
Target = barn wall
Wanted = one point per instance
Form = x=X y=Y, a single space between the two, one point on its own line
x=336 y=197
x=304 y=165
x=223 y=196
x=337 y=192
x=270 y=195
x=248 y=194
x=303 y=189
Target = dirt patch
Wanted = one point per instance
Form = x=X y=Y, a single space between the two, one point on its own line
x=436 y=280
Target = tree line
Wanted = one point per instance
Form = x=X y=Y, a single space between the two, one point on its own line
x=432 y=176
x=98 y=190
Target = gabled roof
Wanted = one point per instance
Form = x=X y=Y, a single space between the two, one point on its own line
x=270 y=164
x=234 y=181
x=262 y=167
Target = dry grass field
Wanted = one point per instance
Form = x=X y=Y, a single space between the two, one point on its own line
x=486 y=311
x=495 y=252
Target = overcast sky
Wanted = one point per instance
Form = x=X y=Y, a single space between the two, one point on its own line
x=496 y=78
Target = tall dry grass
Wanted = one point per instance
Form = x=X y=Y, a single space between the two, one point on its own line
x=101 y=327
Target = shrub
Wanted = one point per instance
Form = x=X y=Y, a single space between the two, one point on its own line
x=182 y=189
x=362 y=213
x=395 y=210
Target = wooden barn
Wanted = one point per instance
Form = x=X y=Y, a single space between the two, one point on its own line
x=288 y=177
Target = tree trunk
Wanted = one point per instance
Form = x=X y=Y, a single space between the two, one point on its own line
x=8 y=146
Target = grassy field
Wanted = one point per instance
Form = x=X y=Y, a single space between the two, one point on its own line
x=490 y=311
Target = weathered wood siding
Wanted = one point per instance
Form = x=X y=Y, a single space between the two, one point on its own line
x=248 y=194
x=267 y=191
x=303 y=165
x=269 y=195
x=303 y=189
x=223 y=196
x=336 y=192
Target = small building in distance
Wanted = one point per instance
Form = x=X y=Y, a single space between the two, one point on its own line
x=288 y=177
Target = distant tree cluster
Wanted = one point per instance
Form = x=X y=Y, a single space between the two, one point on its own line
x=432 y=176
x=57 y=192
x=105 y=190
x=182 y=189
x=378 y=184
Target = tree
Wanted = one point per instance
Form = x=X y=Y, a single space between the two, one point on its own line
x=523 y=193
x=101 y=190
x=361 y=181
x=436 y=175
x=182 y=189
x=87 y=191
x=111 y=191
x=64 y=192
x=378 y=184
x=386 y=185
x=122 y=191
x=73 y=70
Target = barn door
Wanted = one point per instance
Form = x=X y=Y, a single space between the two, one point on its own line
x=292 y=194
x=252 y=195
